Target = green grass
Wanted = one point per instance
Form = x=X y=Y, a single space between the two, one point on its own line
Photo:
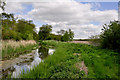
x=10 y=52
x=101 y=63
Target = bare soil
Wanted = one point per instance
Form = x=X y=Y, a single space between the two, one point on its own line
x=82 y=42
x=82 y=67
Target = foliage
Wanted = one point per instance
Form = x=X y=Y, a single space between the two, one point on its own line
x=65 y=37
x=68 y=36
x=17 y=29
x=44 y=32
x=54 y=37
x=61 y=32
x=2 y=5
x=101 y=63
x=110 y=36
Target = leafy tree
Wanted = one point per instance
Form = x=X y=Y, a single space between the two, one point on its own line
x=110 y=36
x=65 y=37
x=54 y=37
x=2 y=5
x=35 y=36
x=71 y=35
x=61 y=32
x=17 y=29
x=45 y=31
x=68 y=36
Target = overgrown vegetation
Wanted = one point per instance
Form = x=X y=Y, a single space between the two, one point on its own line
x=110 y=36
x=12 y=48
x=17 y=29
x=101 y=63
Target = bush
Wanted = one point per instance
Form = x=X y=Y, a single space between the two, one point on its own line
x=110 y=37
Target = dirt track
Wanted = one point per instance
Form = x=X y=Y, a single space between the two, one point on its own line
x=82 y=42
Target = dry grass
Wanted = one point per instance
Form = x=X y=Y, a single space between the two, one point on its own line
x=12 y=48
x=16 y=44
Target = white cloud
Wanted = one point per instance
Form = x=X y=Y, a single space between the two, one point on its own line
x=14 y=7
x=74 y=15
x=68 y=14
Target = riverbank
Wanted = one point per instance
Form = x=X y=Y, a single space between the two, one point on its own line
x=72 y=60
x=12 y=48
x=13 y=67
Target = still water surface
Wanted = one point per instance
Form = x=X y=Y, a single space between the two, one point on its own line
x=27 y=62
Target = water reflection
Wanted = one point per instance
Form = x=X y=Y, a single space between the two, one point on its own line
x=29 y=63
x=26 y=67
x=43 y=52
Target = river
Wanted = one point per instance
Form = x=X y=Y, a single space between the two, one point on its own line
x=25 y=62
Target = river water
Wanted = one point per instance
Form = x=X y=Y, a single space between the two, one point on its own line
x=24 y=62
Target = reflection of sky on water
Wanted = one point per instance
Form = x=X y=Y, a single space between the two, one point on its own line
x=51 y=51
x=26 y=67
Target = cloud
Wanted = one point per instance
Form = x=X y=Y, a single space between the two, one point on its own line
x=14 y=7
x=74 y=15
x=68 y=14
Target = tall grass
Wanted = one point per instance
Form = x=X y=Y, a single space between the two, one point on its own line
x=101 y=63
x=12 y=48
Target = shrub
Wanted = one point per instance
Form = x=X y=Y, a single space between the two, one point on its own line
x=110 y=37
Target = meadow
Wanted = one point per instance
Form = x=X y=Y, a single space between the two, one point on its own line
x=11 y=48
x=66 y=62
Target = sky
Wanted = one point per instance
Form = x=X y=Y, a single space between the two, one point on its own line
x=84 y=18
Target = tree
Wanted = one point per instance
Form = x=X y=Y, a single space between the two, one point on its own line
x=54 y=37
x=71 y=35
x=45 y=31
x=2 y=5
x=61 y=32
x=17 y=30
x=110 y=36
x=65 y=37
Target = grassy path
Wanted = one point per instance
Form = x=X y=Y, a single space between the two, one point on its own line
x=100 y=63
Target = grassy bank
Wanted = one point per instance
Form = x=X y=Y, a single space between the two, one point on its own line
x=63 y=63
x=12 y=48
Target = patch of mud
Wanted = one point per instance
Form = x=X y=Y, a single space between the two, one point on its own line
x=82 y=67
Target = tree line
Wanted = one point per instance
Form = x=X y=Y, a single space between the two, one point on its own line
x=21 y=29
x=17 y=29
x=63 y=35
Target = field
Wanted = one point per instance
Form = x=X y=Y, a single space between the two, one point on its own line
x=72 y=60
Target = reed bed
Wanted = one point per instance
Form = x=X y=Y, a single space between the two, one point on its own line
x=12 y=48
x=16 y=44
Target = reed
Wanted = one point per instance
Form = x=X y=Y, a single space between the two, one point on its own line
x=12 y=48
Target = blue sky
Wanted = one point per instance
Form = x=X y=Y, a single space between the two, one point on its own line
x=105 y=5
